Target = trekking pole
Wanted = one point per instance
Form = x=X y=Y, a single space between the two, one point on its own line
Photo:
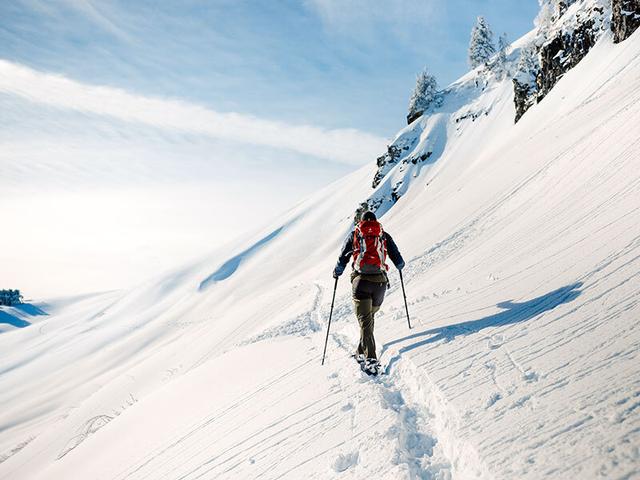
x=326 y=340
x=405 y=299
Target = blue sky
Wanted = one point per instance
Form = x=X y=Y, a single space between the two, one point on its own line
x=137 y=136
x=330 y=63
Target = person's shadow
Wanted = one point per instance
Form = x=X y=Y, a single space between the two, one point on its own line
x=10 y=318
x=513 y=313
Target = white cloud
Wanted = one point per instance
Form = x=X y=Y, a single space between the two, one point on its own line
x=344 y=145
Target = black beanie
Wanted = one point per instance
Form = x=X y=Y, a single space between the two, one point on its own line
x=369 y=217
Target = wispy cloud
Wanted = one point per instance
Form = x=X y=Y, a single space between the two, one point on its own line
x=99 y=18
x=96 y=15
x=344 y=145
x=358 y=17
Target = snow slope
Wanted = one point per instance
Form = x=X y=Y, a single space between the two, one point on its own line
x=522 y=245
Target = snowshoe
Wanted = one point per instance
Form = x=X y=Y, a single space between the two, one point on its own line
x=372 y=367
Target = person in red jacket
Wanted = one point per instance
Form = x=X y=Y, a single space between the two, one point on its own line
x=368 y=245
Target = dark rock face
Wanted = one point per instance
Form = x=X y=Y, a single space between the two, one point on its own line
x=625 y=18
x=371 y=205
x=556 y=57
x=414 y=116
x=384 y=162
x=523 y=97
x=395 y=191
x=563 y=52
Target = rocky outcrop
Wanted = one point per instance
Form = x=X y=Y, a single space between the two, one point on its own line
x=523 y=97
x=371 y=205
x=625 y=18
x=568 y=45
x=414 y=116
x=555 y=57
x=564 y=51
x=385 y=162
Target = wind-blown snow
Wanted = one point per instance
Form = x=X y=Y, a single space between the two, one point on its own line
x=522 y=245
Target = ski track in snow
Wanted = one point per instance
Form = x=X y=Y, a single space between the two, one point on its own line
x=362 y=402
x=304 y=324
x=182 y=448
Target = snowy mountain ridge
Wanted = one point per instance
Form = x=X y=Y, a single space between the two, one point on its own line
x=522 y=247
x=564 y=32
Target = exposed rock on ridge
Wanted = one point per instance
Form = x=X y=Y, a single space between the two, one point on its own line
x=564 y=36
x=625 y=18
x=559 y=53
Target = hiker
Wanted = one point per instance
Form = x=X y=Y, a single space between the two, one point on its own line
x=368 y=245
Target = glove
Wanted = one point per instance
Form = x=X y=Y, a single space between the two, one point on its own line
x=400 y=266
x=338 y=271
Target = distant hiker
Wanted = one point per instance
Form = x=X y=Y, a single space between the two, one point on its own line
x=368 y=246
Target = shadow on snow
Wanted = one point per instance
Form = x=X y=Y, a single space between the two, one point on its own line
x=229 y=267
x=513 y=313
x=29 y=309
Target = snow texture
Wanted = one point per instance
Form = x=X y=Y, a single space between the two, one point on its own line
x=523 y=253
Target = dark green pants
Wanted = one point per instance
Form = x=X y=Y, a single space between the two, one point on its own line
x=367 y=298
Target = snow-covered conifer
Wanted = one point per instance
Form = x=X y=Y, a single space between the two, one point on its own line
x=550 y=11
x=481 y=47
x=527 y=68
x=500 y=66
x=546 y=14
x=10 y=297
x=503 y=45
x=424 y=94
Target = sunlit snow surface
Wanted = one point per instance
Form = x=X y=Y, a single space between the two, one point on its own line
x=522 y=245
